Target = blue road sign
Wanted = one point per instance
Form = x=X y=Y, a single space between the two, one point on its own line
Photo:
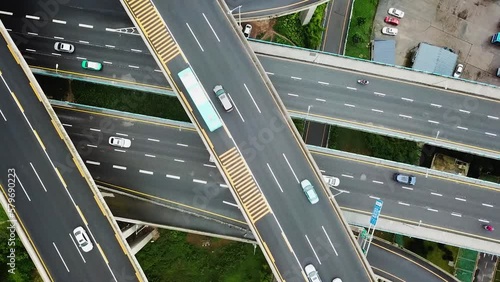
x=376 y=212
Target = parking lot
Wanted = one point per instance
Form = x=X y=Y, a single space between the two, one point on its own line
x=464 y=26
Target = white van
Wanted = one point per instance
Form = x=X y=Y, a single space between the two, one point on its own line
x=223 y=97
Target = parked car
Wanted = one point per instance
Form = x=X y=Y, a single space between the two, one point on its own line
x=458 y=71
x=83 y=239
x=312 y=273
x=337 y=280
x=223 y=98
x=247 y=30
x=390 y=31
x=88 y=65
x=395 y=12
x=331 y=181
x=391 y=20
x=309 y=191
x=405 y=179
x=64 y=47
x=119 y=142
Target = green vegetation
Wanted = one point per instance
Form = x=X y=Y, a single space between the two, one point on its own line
x=360 y=29
x=436 y=253
x=299 y=124
x=308 y=36
x=178 y=256
x=466 y=265
x=373 y=145
x=24 y=268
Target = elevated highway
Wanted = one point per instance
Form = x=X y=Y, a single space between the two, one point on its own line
x=47 y=191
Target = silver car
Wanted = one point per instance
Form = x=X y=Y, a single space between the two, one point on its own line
x=83 y=239
x=405 y=179
x=64 y=47
x=309 y=191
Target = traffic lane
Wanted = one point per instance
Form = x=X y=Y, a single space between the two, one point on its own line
x=183 y=192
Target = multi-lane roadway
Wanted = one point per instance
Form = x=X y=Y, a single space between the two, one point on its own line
x=47 y=189
x=388 y=106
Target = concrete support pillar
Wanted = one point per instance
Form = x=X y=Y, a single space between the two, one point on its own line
x=131 y=230
x=306 y=15
x=143 y=239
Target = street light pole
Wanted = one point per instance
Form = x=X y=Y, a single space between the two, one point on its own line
x=239 y=14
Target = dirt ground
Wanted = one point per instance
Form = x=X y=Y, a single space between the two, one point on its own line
x=206 y=242
x=464 y=26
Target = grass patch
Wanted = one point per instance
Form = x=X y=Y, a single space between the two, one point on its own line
x=348 y=140
x=437 y=253
x=308 y=36
x=299 y=124
x=126 y=100
x=489 y=177
x=360 y=29
x=384 y=235
x=172 y=256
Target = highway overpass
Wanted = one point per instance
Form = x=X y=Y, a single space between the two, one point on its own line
x=47 y=190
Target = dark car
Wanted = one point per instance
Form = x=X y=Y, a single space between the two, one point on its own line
x=405 y=179
x=391 y=20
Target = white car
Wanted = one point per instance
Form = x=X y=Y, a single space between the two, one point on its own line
x=337 y=280
x=331 y=181
x=395 y=12
x=390 y=31
x=83 y=239
x=309 y=191
x=458 y=71
x=64 y=47
x=247 y=30
x=311 y=273
x=119 y=142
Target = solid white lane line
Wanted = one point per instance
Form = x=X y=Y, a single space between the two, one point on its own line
x=85 y=25
x=328 y=237
x=493 y=117
x=211 y=27
x=223 y=185
x=375 y=198
x=32 y=17
x=379 y=94
x=461 y=127
x=93 y=163
x=252 y=98
x=377 y=182
x=92 y=146
x=436 y=194
x=456 y=214
x=321 y=100
x=296 y=78
x=436 y=105
x=58 y=21
x=349 y=105
x=464 y=111
x=487 y=205
x=199 y=181
x=173 y=176
x=57 y=250
x=351 y=88
x=490 y=134
x=293 y=95
x=154 y=140
x=6 y=13
x=22 y=186
x=295 y=175
x=76 y=247
x=136 y=50
x=275 y=179
x=230 y=204
x=432 y=210
x=433 y=121
x=182 y=145
x=236 y=107
x=269 y=73
x=406 y=99
x=404 y=116
x=145 y=172
x=347 y=175
x=120 y=150
x=37 y=176
x=95 y=129
x=404 y=204
x=313 y=249
x=378 y=111
x=460 y=199
x=119 y=167
x=121 y=134
x=195 y=38
x=407 y=188
x=179 y=161
x=324 y=83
